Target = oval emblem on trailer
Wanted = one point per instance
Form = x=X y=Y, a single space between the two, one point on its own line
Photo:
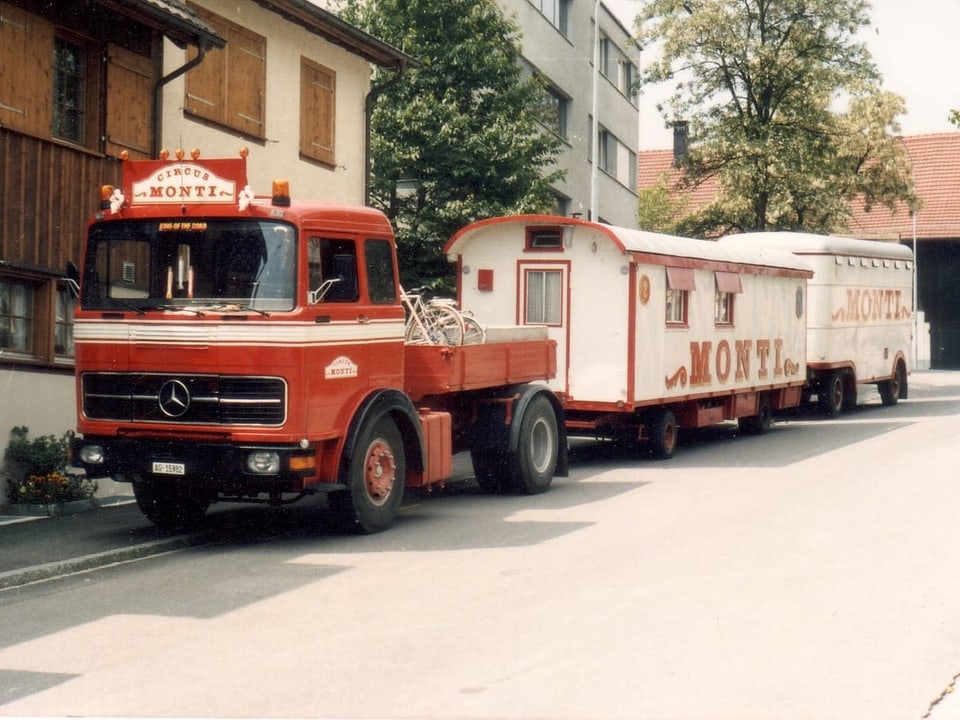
x=173 y=398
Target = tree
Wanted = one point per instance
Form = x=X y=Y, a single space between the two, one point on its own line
x=463 y=126
x=758 y=80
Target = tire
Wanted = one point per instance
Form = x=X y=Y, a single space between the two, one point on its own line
x=830 y=398
x=490 y=469
x=473 y=332
x=760 y=423
x=663 y=434
x=537 y=449
x=170 y=505
x=375 y=480
x=890 y=389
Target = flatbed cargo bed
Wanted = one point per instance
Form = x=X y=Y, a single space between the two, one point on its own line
x=432 y=370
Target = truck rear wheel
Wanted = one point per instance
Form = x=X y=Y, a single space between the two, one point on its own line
x=663 y=434
x=537 y=449
x=375 y=479
x=170 y=504
x=489 y=469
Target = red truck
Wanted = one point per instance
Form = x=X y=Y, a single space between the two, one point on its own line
x=240 y=347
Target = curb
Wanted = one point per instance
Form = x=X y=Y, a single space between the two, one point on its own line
x=51 y=570
x=64 y=509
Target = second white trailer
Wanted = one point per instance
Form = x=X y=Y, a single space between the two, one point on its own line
x=860 y=316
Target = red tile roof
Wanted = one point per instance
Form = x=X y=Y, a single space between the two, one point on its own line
x=936 y=162
x=936 y=167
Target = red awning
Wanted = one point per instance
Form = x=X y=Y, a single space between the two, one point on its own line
x=680 y=279
x=729 y=282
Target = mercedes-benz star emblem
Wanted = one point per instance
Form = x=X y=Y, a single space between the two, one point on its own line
x=173 y=398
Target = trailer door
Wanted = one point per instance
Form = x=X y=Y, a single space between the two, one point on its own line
x=545 y=300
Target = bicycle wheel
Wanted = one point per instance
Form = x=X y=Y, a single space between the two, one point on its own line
x=473 y=332
x=443 y=323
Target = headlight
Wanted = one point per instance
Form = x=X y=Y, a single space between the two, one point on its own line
x=263 y=462
x=92 y=454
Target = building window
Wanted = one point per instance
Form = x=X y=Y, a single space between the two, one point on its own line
x=680 y=282
x=228 y=87
x=318 y=92
x=544 y=291
x=555 y=11
x=16 y=316
x=69 y=91
x=63 y=328
x=553 y=111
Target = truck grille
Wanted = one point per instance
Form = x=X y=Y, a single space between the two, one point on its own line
x=193 y=399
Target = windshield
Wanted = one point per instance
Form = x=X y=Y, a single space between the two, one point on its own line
x=217 y=263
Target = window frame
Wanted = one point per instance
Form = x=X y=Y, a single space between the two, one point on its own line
x=680 y=282
x=547 y=317
x=40 y=320
x=727 y=286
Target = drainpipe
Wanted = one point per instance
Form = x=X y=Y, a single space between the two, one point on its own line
x=157 y=118
x=368 y=104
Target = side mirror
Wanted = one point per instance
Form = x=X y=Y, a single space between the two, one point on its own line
x=73 y=278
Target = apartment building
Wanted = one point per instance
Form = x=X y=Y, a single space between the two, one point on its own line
x=559 y=39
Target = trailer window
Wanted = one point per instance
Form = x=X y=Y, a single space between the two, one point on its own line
x=680 y=281
x=728 y=284
x=544 y=290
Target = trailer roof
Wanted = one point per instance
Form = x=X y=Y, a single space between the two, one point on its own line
x=801 y=243
x=629 y=240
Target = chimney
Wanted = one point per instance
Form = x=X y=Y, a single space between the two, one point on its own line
x=681 y=128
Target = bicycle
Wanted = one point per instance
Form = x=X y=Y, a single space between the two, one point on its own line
x=431 y=322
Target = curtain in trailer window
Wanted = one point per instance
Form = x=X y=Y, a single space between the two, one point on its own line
x=544 y=297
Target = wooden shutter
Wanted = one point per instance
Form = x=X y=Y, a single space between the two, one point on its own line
x=129 y=102
x=26 y=71
x=246 y=81
x=318 y=88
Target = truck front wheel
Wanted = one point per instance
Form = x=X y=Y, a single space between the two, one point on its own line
x=375 y=479
x=169 y=504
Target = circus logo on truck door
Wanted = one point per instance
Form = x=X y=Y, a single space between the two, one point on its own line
x=745 y=360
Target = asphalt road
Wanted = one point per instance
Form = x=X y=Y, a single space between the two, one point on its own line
x=810 y=573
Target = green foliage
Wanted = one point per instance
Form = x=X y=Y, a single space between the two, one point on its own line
x=659 y=209
x=36 y=470
x=758 y=81
x=955 y=117
x=464 y=126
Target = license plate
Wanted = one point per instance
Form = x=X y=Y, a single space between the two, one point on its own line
x=169 y=468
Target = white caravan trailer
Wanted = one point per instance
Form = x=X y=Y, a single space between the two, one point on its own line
x=860 y=314
x=653 y=332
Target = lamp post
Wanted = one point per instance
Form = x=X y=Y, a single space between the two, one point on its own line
x=594 y=126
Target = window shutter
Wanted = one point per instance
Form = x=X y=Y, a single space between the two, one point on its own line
x=317 y=112
x=129 y=99
x=26 y=59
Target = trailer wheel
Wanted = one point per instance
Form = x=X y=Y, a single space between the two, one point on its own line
x=537 y=449
x=830 y=397
x=375 y=480
x=170 y=505
x=663 y=434
x=760 y=423
x=489 y=468
x=890 y=389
